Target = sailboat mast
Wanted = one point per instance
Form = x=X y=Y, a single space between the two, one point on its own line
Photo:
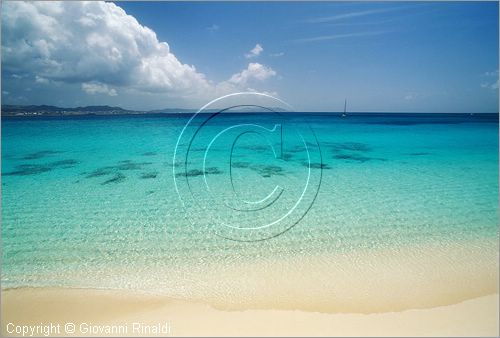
x=345 y=105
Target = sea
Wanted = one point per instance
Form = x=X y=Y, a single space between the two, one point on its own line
x=310 y=211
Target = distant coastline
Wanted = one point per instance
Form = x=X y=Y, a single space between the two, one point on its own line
x=104 y=110
x=46 y=110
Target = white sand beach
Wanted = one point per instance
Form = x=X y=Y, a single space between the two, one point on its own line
x=101 y=309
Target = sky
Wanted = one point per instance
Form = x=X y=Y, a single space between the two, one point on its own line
x=381 y=57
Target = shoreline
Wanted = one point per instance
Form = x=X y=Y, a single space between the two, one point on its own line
x=364 y=282
x=102 y=309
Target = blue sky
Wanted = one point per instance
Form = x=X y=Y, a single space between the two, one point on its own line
x=393 y=56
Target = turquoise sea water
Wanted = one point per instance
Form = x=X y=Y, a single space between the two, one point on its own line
x=92 y=202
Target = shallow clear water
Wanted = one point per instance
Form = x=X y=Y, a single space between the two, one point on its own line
x=91 y=201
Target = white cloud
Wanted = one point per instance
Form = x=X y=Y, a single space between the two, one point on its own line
x=488 y=84
x=353 y=15
x=271 y=93
x=98 y=88
x=339 y=36
x=39 y=79
x=493 y=73
x=99 y=48
x=254 y=71
x=92 y=41
x=255 y=51
x=241 y=81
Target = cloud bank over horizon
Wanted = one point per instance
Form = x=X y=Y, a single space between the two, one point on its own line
x=103 y=50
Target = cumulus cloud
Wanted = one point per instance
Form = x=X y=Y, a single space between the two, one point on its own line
x=98 y=88
x=244 y=80
x=254 y=71
x=91 y=41
x=100 y=48
x=254 y=52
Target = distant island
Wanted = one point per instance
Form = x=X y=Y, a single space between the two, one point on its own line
x=47 y=110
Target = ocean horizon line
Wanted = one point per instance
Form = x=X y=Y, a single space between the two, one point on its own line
x=38 y=110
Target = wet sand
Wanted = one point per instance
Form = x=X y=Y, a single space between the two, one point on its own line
x=139 y=314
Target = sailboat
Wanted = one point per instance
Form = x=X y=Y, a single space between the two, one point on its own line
x=344 y=114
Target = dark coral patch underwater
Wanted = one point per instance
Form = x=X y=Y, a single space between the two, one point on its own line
x=263 y=170
x=28 y=169
x=99 y=172
x=316 y=165
x=41 y=154
x=419 y=154
x=122 y=165
x=196 y=172
x=357 y=158
x=64 y=163
x=34 y=169
x=130 y=165
x=268 y=170
x=152 y=174
x=352 y=157
x=117 y=178
x=115 y=170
